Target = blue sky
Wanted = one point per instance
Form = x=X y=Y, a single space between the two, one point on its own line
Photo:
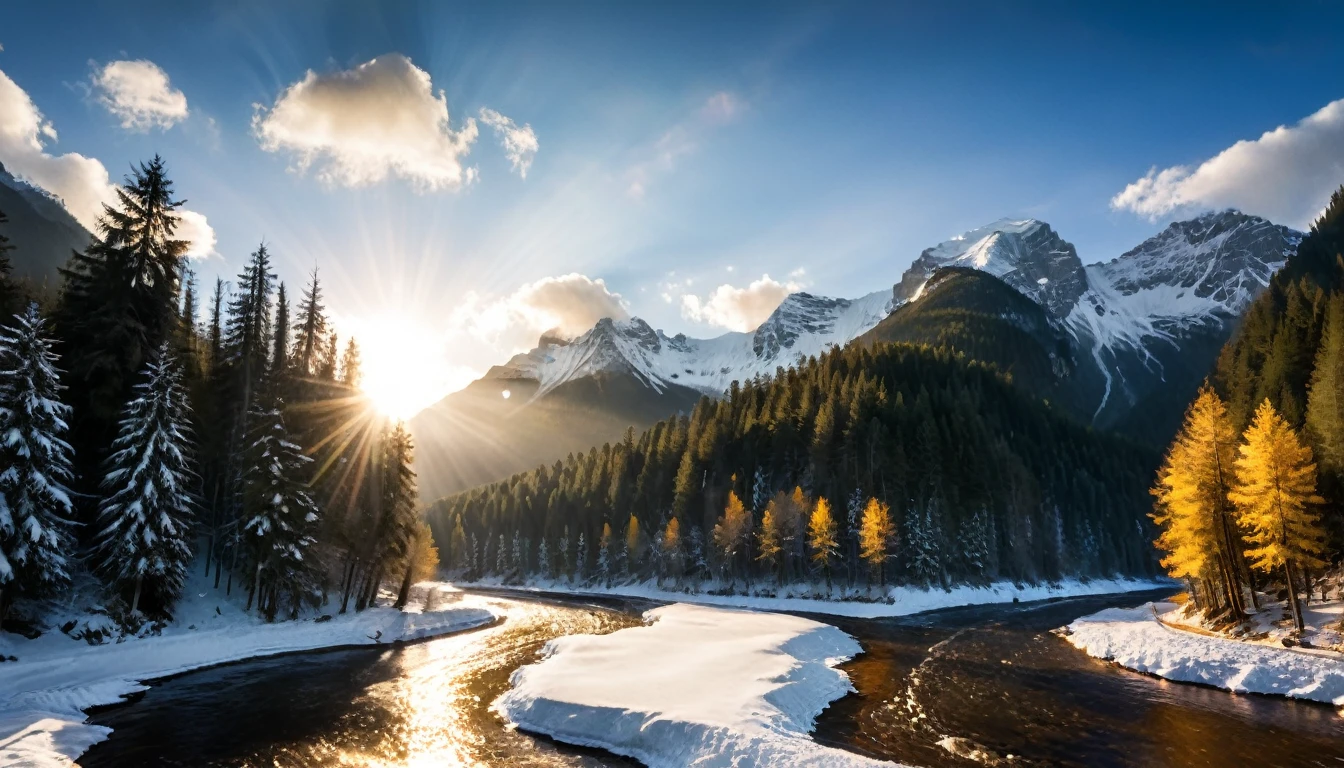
x=823 y=146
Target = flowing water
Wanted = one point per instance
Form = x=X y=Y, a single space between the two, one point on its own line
x=964 y=687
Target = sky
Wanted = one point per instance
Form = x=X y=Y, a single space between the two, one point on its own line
x=465 y=177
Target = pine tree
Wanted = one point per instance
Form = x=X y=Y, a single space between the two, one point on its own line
x=581 y=560
x=119 y=303
x=502 y=563
x=634 y=546
x=280 y=519
x=280 y=339
x=671 y=546
x=544 y=560
x=853 y=530
x=875 y=532
x=1325 y=398
x=821 y=538
x=400 y=518
x=351 y=375
x=326 y=370
x=312 y=331
x=1197 y=530
x=976 y=544
x=147 y=510
x=461 y=556
x=9 y=293
x=604 y=546
x=35 y=465
x=924 y=543
x=1275 y=489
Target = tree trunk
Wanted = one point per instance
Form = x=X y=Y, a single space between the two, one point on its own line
x=404 y=593
x=1292 y=597
x=135 y=599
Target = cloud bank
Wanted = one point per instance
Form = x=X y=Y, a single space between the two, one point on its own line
x=568 y=305
x=520 y=144
x=139 y=94
x=1286 y=175
x=738 y=309
x=81 y=183
x=359 y=126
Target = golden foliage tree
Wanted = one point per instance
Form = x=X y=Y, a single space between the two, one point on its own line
x=875 y=532
x=672 y=548
x=768 y=541
x=821 y=538
x=634 y=545
x=1197 y=529
x=733 y=532
x=1274 y=492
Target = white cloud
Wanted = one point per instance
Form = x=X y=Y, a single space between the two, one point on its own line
x=568 y=304
x=520 y=144
x=80 y=182
x=722 y=107
x=139 y=93
x=361 y=125
x=1286 y=175
x=738 y=309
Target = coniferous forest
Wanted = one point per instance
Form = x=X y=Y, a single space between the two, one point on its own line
x=891 y=464
x=151 y=428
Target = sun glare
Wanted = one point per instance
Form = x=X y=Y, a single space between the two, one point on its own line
x=402 y=370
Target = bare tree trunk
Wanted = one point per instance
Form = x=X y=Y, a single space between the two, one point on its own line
x=1292 y=597
x=135 y=599
x=405 y=593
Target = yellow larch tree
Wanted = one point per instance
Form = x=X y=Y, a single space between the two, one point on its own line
x=634 y=546
x=671 y=546
x=732 y=533
x=1192 y=511
x=821 y=538
x=768 y=543
x=875 y=531
x=1274 y=493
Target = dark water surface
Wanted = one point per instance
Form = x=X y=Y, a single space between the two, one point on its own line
x=989 y=682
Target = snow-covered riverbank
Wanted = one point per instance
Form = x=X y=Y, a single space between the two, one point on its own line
x=895 y=601
x=1135 y=638
x=698 y=686
x=55 y=678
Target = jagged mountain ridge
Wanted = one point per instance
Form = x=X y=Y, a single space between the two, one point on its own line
x=1137 y=331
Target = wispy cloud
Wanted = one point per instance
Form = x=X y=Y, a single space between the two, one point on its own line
x=680 y=140
x=520 y=143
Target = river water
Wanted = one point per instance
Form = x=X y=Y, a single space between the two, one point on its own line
x=963 y=687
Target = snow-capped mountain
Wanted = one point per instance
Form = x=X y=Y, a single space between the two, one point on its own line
x=1138 y=334
x=802 y=325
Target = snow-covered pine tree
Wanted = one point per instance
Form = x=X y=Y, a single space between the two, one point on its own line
x=501 y=558
x=519 y=553
x=148 y=509
x=35 y=465
x=760 y=491
x=853 y=529
x=562 y=554
x=544 y=560
x=280 y=519
x=924 y=537
x=581 y=559
x=975 y=542
x=604 y=555
x=474 y=558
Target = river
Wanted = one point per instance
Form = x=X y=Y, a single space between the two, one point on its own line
x=989 y=682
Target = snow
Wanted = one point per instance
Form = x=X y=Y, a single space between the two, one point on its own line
x=695 y=686
x=807 y=325
x=1135 y=638
x=56 y=677
x=899 y=601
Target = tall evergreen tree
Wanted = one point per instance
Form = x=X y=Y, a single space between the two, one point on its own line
x=311 y=331
x=145 y=516
x=351 y=373
x=280 y=520
x=35 y=465
x=119 y=304
x=280 y=339
x=1274 y=493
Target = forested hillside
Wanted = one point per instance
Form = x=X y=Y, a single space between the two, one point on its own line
x=887 y=462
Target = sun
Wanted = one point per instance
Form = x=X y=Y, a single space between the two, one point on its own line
x=403 y=369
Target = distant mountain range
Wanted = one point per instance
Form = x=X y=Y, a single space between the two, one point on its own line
x=41 y=230
x=1121 y=344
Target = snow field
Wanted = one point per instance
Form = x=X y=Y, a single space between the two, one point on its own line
x=45 y=693
x=1136 y=639
x=697 y=685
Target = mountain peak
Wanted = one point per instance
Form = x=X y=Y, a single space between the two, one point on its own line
x=1025 y=253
